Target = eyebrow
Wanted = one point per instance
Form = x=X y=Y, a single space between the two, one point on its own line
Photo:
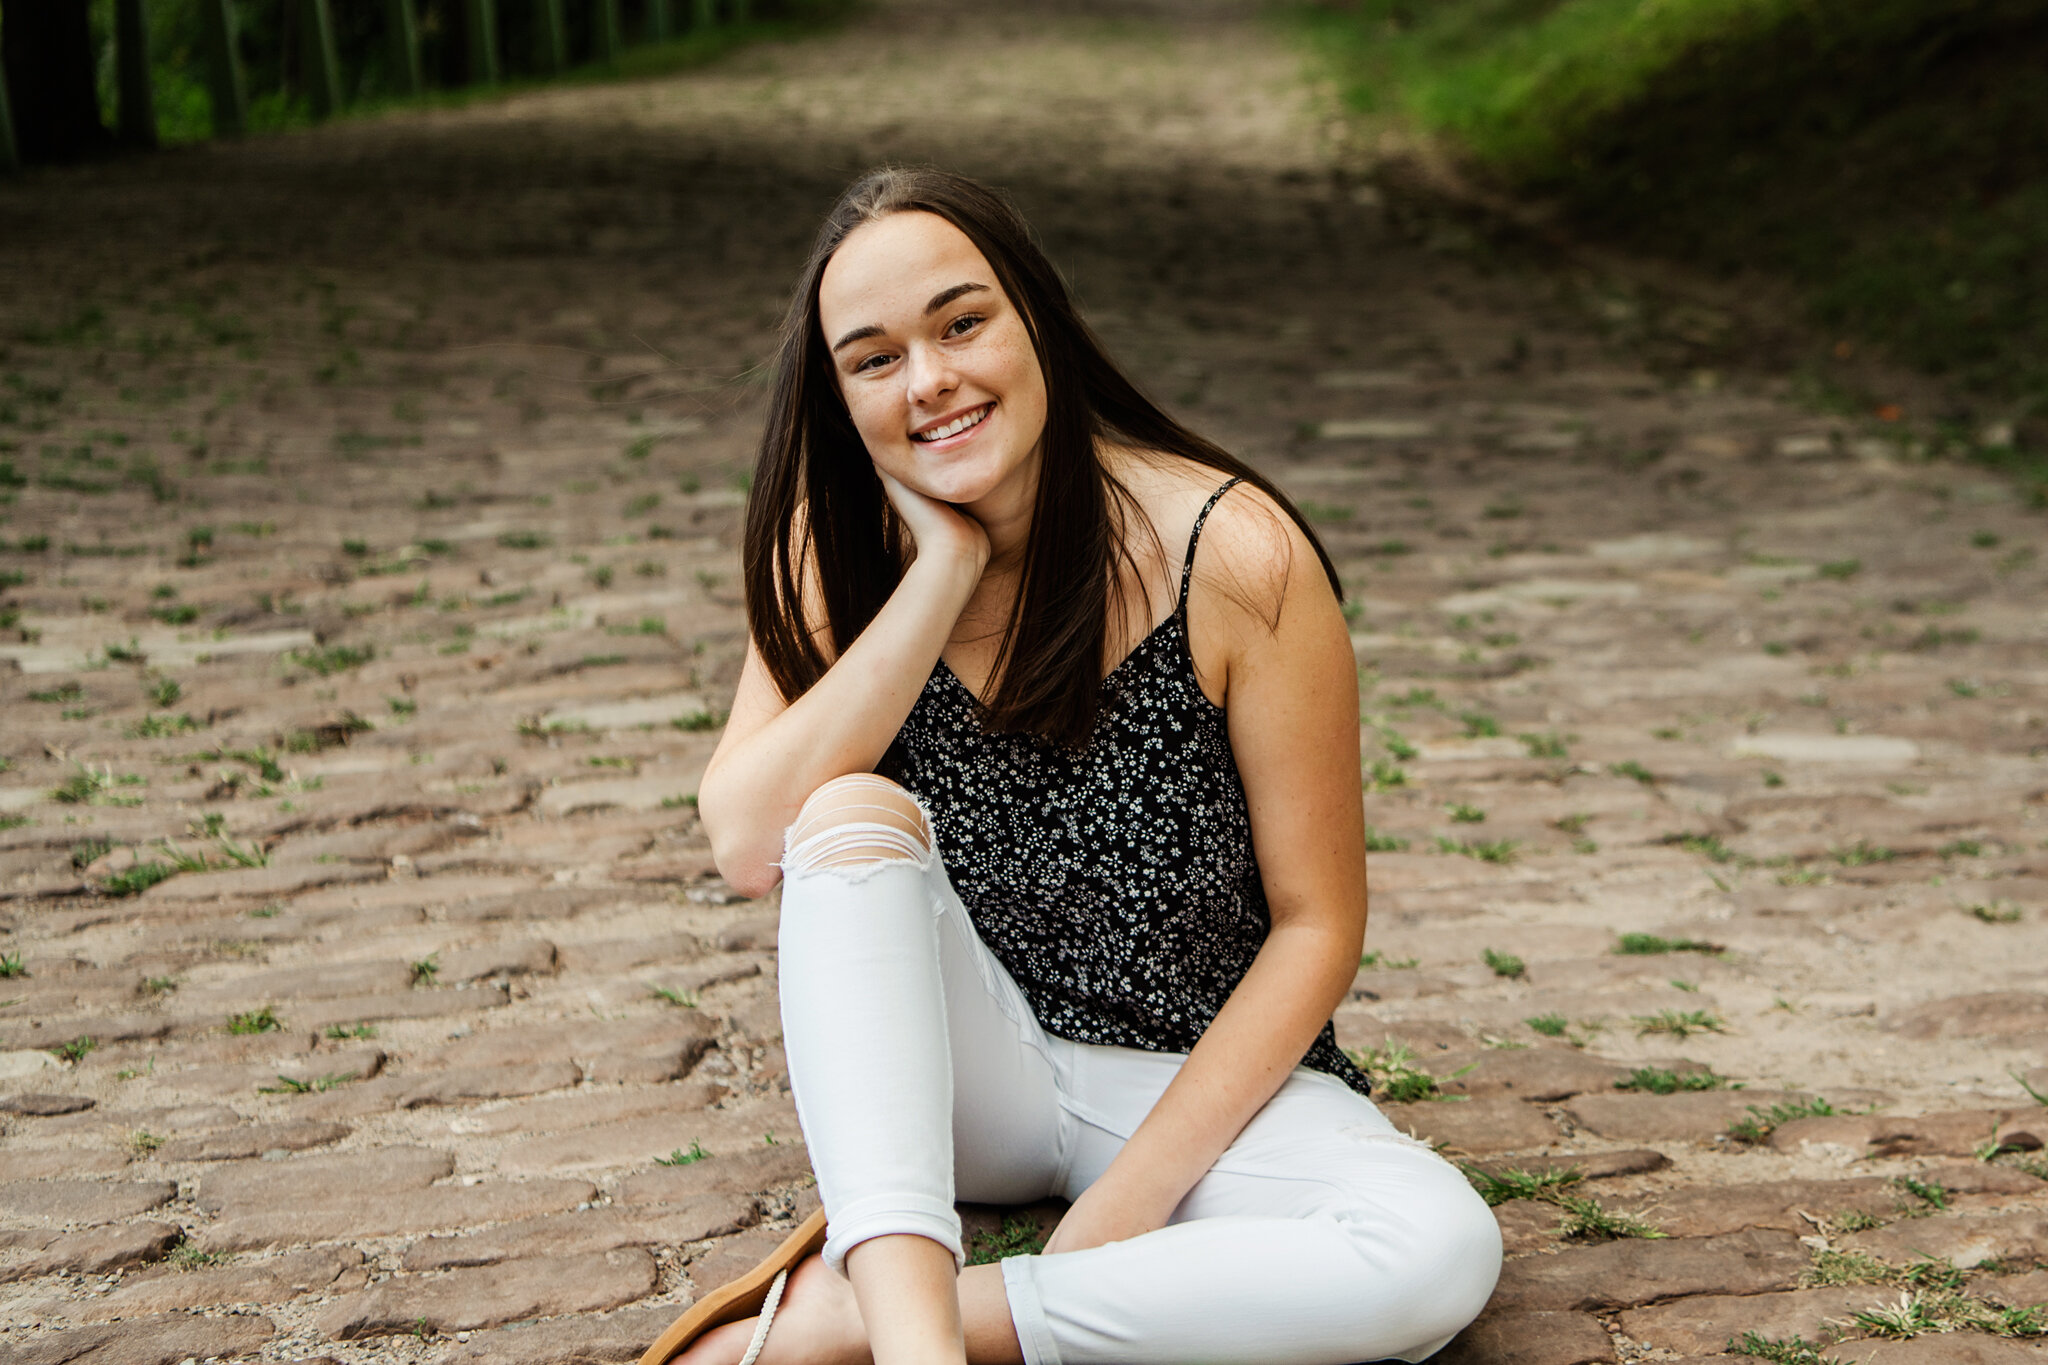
x=939 y=300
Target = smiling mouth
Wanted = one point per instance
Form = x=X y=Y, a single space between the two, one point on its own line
x=956 y=426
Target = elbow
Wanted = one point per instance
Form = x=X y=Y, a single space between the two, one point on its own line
x=752 y=880
x=748 y=867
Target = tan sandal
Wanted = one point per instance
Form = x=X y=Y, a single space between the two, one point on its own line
x=755 y=1294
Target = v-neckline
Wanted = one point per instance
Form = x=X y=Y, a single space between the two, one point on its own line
x=1107 y=678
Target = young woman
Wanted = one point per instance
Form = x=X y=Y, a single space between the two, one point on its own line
x=1049 y=728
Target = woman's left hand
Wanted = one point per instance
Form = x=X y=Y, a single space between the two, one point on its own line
x=1105 y=1213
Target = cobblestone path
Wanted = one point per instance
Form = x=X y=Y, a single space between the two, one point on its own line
x=369 y=605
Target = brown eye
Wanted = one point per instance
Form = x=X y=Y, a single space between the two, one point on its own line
x=963 y=324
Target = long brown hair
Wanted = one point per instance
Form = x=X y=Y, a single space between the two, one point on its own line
x=1049 y=665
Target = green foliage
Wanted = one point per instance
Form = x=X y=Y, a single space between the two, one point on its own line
x=1706 y=845
x=1485 y=850
x=1587 y=1220
x=331 y=659
x=320 y=1085
x=1885 y=155
x=1657 y=1081
x=1396 y=1078
x=1761 y=1122
x=264 y=1020
x=1931 y=1193
x=1794 y=1350
x=137 y=879
x=1679 y=1023
x=1018 y=1236
x=680 y=1157
x=1549 y=1025
x=75 y=1050
x=1503 y=964
x=1498 y=1187
x=1645 y=945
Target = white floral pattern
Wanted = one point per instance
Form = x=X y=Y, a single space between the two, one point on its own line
x=1118 y=883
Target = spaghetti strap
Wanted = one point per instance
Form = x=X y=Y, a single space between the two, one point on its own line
x=1187 y=573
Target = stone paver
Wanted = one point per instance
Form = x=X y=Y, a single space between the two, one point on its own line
x=465 y=1300
x=163 y=1339
x=1630 y=1273
x=1704 y=729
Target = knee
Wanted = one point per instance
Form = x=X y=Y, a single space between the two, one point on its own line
x=1459 y=1253
x=857 y=821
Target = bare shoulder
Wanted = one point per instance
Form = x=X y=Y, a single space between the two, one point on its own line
x=1254 y=559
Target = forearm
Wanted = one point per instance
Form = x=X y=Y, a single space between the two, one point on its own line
x=754 y=785
x=1300 y=975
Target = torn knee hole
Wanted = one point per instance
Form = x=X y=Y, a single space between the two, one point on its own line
x=857 y=822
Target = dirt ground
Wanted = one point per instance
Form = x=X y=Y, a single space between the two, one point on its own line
x=369 y=582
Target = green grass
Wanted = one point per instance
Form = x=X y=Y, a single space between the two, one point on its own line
x=1549 y=1025
x=1500 y=851
x=1504 y=964
x=1888 y=158
x=264 y=1020
x=1647 y=945
x=1499 y=1187
x=11 y=966
x=1793 y=1350
x=162 y=726
x=1586 y=1220
x=1657 y=1081
x=1679 y=1023
x=74 y=1051
x=330 y=659
x=1396 y=1078
x=682 y=1157
x=287 y=1085
x=1761 y=1121
x=1706 y=845
x=1018 y=1236
x=137 y=879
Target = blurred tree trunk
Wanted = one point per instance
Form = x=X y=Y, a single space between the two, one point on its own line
x=402 y=33
x=46 y=46
x=131 y=66
x=224 y=69
x=10 y=155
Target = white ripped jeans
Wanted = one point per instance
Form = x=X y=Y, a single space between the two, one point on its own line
x=1321 y=1236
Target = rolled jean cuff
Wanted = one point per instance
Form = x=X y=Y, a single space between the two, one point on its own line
x=1027 y=1313
x=887 y=1215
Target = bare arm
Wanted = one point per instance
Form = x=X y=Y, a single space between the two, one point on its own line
x=774 y=753
x=1292 y=693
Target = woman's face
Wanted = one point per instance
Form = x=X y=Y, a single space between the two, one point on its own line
x=933 y=360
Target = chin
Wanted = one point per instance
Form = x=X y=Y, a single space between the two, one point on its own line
x=957 y=486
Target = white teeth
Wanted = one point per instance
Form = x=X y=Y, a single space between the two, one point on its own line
x=954 y=427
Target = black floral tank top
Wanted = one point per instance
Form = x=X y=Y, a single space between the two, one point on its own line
x=1117 y=884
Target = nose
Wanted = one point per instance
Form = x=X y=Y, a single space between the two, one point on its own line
x=928 y=375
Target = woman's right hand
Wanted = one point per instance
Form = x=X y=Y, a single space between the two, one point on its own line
x=937 y=528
